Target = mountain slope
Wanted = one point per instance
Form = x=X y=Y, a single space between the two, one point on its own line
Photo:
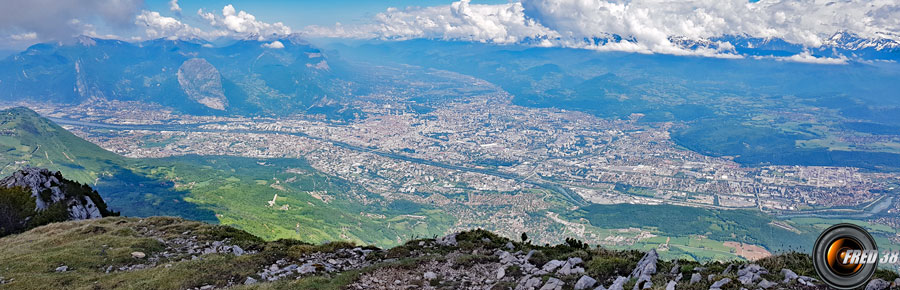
x=28 y=138
x=246 y=77
x=169 y=253
x=230 y=190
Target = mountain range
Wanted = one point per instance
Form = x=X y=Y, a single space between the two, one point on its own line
x=280 y=77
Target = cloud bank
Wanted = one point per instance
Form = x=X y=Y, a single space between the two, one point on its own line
x=39 y=20
x=230 y=23
x=646 y=26
x=683 y=27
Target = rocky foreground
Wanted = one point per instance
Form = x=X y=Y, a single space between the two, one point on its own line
x=32 y=197
x=171 y=253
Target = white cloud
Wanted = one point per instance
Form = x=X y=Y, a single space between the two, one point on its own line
x=61 y=20
x=174 y=7
x=241 y=23
x=646 y=26
x=24 y=36
x=806 y=57
x=275 y=44
x=502 y=23
x=231 y=23
x=158 y=26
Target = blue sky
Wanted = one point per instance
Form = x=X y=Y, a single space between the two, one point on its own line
x=300 y=13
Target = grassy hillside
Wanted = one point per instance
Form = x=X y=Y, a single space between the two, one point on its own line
x=25 y=136
x=217 y=189
x=100 y=254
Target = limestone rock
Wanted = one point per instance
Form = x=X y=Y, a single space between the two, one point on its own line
x=447 y=241
x=750 y=273
x=720 y=283
x=646 y=266
x=430 y=276
x=570 y=267
x=619 y=284
x=552 y=265
x=138 y=255
x=671 y=285
x=202 y=83
x=49 y=188
x=696 y=277
x=553 y=284
x=585 y=282
x=788 y=275
x=878 y=284
x=766 y=284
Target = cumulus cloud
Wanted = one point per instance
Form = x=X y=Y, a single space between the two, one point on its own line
x=275 y=44
x=241 y=23
x=502 y=23
x=174 y=7
x=646 y=26
x=231 y=23
x=158 y=26
x=57 y=20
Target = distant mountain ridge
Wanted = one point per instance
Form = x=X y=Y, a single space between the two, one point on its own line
x=285 y=76
x=840 y=45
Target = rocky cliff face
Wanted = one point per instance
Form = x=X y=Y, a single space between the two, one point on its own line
x=50 y=198
x=201 y=81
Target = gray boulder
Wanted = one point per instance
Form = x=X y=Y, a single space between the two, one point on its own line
x=643 y=282
x=553 y=284
x=808 y=281
x=750 y=273
x=646 y=266
x=430 y=276
x=675 y=268
x=878 y=284
x=250 y=281
x=529 y=283
x=585 y=282
x=306 y=269
x=447 y=241
x=570 y=267
x=671 y=285
x=766 y=284
x=720 y=283
x=696 y=277
x=619 y=284
x=788 y=275
x=552 y=265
